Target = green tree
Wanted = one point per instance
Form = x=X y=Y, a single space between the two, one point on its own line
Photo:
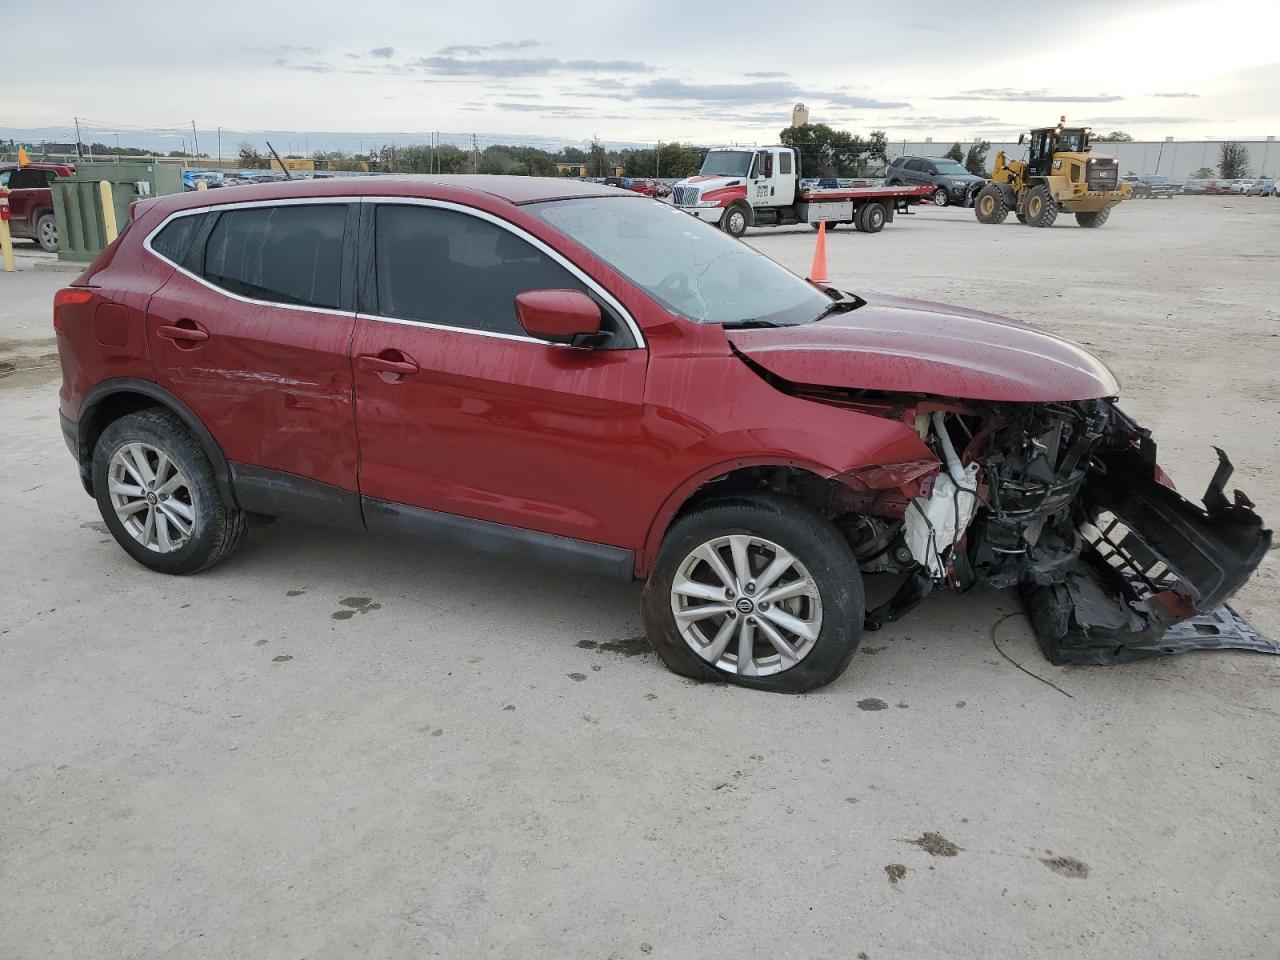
x=1233 y=161
x=250 y=158
x=976 y=160
x=955 y=153
x=1204 y=173
x=1115 y=136
x=825 y=152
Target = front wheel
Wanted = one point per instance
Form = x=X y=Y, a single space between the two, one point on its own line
x=736 y=220
x=990 y=205
x=940 y=198
x=158 y=495
x=1042 y=209
x=757 y=591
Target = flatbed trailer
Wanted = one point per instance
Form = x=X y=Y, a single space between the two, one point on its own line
x=761 y=187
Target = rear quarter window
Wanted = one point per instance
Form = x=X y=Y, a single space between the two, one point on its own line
x=174 y=240
x=288 y=254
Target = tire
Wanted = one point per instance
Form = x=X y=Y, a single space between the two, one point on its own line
x=214 y=529
x=990 y=206
x=736 y=220
x=871 y=217
x=1022 y=217
x=1095 y=219
x=47 y=233
x=1042 y=209
x=827 y=605
x=939 y=197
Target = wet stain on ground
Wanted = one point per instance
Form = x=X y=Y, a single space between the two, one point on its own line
x=651 y=696
x=960 y=704
x=1067 y=867
x=356 y=605
x=577 y=677
x=902 y=706
x=872 y=651
x=283 y=658
x=295 y=593
x=896 y=872
x=936 y=845
x=509 y=706
x=627 y=646
x=872 y=703
x=95 y=525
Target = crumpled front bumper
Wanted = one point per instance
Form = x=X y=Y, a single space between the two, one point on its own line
x=1153 y=561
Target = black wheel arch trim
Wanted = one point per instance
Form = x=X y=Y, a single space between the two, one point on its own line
x=147 y=388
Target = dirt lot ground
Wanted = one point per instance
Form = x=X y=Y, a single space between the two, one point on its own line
x=337 y=746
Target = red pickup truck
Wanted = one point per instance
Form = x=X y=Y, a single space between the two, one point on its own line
x=31 y=200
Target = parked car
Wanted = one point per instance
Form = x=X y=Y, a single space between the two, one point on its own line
x=559 y=371
x=1196 y=187
x=1140 y=189
x=1242 y=187
x=31 y=200
x=1263 y=188
x=1163 y=188
x=1219 y=187
x=952 y=182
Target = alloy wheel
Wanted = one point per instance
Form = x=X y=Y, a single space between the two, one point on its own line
x=737 y=222
x=151 y=497
x=746 y=605
x=48 y=233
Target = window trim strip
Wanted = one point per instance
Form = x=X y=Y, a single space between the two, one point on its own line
x=594 y=285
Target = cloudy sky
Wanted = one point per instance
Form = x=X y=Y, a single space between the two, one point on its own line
x=709 y=72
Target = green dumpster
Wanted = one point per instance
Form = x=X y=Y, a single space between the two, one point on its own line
x=77 y=201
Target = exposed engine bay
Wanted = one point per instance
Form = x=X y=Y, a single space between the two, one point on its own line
x=1065 y=503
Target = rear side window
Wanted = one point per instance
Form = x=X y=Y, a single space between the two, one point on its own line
x=286 y=254
x=174 y=240
x=26 y=179
x=450 y=268
x=784 y=162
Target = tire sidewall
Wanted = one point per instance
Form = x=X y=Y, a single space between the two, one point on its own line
x=39 y=238
x=728 y=220
x=940 y=198
x=166 y=435
x=812 y=541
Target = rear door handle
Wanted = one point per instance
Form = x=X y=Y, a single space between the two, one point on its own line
x=192 y=333
x=373 y=364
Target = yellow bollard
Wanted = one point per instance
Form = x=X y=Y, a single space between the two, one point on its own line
x=6 y=240
x=201 y=185
x=108 y=211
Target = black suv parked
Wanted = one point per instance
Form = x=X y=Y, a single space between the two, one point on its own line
x=953 y=183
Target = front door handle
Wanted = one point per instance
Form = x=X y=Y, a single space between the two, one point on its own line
x=405 y=367
x=191 y=334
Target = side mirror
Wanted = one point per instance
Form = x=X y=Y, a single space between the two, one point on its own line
x=560 y=316
x=1021 y=137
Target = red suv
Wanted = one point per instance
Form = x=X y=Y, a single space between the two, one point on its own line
x=31 y=200
x=561 y=371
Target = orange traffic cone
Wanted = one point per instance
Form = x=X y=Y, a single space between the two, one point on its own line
x=818 y=272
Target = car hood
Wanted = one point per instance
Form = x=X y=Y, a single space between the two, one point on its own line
x=899 y=345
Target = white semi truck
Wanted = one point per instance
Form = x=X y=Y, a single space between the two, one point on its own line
x=740 y=187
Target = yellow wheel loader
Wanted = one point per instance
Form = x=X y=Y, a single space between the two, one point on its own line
x=1059 y=174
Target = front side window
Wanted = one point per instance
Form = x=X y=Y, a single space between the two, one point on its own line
x=691 y=268
x=453 y=269
x=288 y=253
x=949 y=168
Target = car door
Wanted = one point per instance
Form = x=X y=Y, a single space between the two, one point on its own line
x=252 y=331
x=460 y=414
x=760 y=192
x=26 y=187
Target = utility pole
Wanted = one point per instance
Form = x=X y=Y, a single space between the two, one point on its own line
x=657 y=159
x=194 y=138
x=475 y=155
x=219 y=148
x=77 y=120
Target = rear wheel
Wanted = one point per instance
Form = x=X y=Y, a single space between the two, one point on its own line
x=1095 y=219
x=158 y=495
x=939 y=197
x=1042 y=209
x=47 y=233
x=757 y=591
x=870 y=217
x=990 y=205
x=736 y=220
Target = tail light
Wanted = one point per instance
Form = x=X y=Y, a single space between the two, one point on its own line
x=68 y=297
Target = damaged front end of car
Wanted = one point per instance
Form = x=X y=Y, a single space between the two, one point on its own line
x=1065 y=502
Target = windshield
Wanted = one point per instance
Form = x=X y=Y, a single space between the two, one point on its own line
x=691 y=268
x=950 y=168
x=727 y=163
